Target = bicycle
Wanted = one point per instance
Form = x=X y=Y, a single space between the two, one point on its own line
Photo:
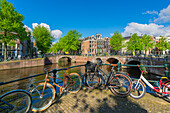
x=119 y=84
x=15 y=101
x=139 y=87
x=44 y=94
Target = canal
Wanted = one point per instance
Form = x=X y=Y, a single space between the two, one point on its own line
x=13 y=74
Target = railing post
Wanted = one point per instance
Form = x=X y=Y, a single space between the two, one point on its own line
x=166 y=70
x=118 y=68
x=54 y=75
x=85 y=69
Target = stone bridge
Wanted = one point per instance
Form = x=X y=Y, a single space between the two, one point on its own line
x=114 y=60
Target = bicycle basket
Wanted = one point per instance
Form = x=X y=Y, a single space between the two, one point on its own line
x=90 y=66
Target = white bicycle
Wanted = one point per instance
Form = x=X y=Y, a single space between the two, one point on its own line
x=139 y=87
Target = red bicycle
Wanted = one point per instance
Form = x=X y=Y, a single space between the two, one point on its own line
x=139 y=87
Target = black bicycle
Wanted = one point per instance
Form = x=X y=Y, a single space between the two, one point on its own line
x=15 y=101
x=119 y=83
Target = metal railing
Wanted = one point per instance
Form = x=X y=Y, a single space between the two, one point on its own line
x=54 y=71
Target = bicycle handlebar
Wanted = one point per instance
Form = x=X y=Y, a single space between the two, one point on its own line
x=141 y=69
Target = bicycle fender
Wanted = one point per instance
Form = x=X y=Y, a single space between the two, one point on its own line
x=167 y=81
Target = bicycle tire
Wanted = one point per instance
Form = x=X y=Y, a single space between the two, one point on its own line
x=41 y=103
x=21 y=100
x=119 y=90
x=165 y=89
x=78 y=82
x=92 y=81
x=139 y=91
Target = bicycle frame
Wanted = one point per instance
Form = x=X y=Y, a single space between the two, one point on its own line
x=156 y=89
x=106 y=81
x=64 y=81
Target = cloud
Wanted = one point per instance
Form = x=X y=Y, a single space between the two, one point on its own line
x=34 y=25
x=42 y=24
x=56 y=34
x=164 y=16
x=151 y=12
x=25 y=26
x=149 y=29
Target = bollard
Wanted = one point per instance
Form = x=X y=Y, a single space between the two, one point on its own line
x=118 y=68
x=166 y=70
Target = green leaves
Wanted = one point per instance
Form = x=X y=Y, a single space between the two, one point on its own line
x=43 y=38
x=68 y=43
x=11 y=24
x=116 y=41
x=162 y=44
x=147 y=42
x=134 y=43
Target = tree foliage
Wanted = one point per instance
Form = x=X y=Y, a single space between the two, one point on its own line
x=134 y=43
x=147 y=42
x=116 y=41
x=68 y=43
x=11 y=24
x=162 y=44
x=43 y=38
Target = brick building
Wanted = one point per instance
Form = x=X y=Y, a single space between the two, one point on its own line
x=95 y=45
x=21 y=49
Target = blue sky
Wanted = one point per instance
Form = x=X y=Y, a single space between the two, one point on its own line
x=98 y=16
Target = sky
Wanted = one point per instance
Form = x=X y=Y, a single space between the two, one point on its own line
x=97 y=16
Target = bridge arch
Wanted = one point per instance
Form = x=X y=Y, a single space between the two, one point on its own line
x=134 y=62
x=98 y=59
x=112 y=60
x=64 y=58
x=136 y=72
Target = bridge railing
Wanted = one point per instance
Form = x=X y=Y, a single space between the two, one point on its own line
x=54 y=71
x=165 y=66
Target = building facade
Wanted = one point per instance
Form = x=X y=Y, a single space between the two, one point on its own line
x=21 y=49
x=95 y=45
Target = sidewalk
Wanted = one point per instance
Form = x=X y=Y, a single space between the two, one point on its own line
x=103 y=101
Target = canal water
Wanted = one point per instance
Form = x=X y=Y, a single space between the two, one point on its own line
x=13 y=74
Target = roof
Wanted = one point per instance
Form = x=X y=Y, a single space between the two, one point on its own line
x=128 y=37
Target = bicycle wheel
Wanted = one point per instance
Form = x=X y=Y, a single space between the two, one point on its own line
x=74 y=87
x=120 y=85
x=16 y=101
x=138 y=90
x=41 y=103
x=92 y=80
x=166 y=89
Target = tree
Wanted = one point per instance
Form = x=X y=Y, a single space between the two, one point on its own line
x=43 y=38
x=162 y=44
x=134 y=43
x=55 y=48
x=11 y=25
x=116 y=41
x=69 y=42
x=147 y=42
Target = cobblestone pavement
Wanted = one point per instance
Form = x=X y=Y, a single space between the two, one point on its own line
x=103 y=101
